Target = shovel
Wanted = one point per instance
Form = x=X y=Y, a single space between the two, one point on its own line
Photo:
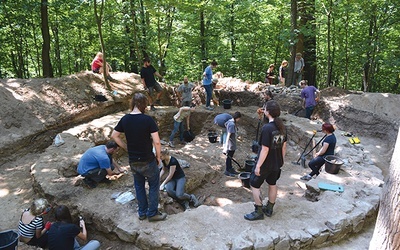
x=303 y=157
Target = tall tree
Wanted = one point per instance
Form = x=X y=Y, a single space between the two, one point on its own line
x=46 y=62
x=293 y=41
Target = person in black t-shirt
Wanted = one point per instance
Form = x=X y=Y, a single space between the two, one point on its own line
x=175 y=182
x=147 y=74
x=269 y=161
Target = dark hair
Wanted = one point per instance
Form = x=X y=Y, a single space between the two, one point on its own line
x=214 y=63
x=62 y=214
x=236 y=115
x=303 y=82
x=328 y=127
x=111 y=144
x=274 y=110
x=146 y=59
x=139 y=100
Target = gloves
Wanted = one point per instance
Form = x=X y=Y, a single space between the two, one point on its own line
x=47 y=226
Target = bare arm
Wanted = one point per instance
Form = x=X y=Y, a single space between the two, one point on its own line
x=322 y=151
x=261 y=159
x=82 y=235
x=157 y=146
x=158 y=74
x=284 y=149
x=169 y=177
x=188 y=122
x=115 y=135
x=144 y=83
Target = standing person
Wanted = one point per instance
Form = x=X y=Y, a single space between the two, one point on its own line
x=270 y=75
x=230 y=146
x=141 y=133
x=310 y=96
x=175 y=182
x=328 y=148
x=98 y=67
x=298 y=68
x=30 y=227
x=62 y=234
x=207 y=83
x=269 y=161
x=220 y=120
x=185 y=92
x=184 y=112
x=283 y=72
x=97 y=162
x=147 y=74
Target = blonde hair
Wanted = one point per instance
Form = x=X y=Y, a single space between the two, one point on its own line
x=284 y=62
x=38 y=206
x=165 y=152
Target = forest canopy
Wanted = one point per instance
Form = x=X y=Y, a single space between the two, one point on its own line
x=351 y=44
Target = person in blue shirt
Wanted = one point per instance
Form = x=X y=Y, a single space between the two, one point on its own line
x=328 y=148
x=207 y=83
x=96 y=163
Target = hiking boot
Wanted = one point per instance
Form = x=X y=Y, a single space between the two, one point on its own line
x=227 y=173
x=306 y=177
x=171 y=144
x=257 y=214
x=157 y=217
x=185 y=205
x=209 y=108
x=152 y=108
x=194 y=200
x=90 y=183
x=268 y=209
x=142 y=217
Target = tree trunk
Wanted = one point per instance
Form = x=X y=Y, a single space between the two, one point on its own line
x=307 y=43
x=57 y=51
x=386 y=234
x=203 y=40
x=134 y=51
x=46 y=62
x=99 y=18
x=293 y=10
x=329 y=41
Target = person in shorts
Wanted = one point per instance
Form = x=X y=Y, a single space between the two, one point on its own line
x=269 y=161
x=147 y=74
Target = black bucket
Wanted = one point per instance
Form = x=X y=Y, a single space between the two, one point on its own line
x=332 y=164
x=212 y=137
x=8 y=240
x=227 y=103
x=248 y=165
x=245 y=178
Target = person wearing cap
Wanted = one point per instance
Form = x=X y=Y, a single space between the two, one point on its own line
x=328 y=148
x=184 y=92
x=183 y=113
x=207 y=83
x=270 y=159
x=214 y=97
x=30 y=226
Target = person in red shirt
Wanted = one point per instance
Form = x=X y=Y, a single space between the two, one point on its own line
x=97 y=66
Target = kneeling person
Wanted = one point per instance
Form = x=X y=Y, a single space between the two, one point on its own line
x=96 y=163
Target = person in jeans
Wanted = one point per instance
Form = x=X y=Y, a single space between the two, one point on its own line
x=310 y=96
x=175 y=182
x=207 y=83
x=328 y=148
x=63 y=233
x=141 y=133
x=230 y=146
x=298 y=68
x=97 y=162
x=184 y=112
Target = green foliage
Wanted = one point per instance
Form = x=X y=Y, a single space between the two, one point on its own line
x=243 y=36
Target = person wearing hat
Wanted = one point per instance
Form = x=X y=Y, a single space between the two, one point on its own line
x=214 y=97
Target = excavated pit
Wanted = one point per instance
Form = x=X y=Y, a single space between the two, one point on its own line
x=218 y=223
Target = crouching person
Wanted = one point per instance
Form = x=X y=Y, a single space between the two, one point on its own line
x=269 y=161
x=63 y=233
x=175 y=182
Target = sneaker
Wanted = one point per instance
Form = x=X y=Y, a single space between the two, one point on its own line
x=185 y=205
x=89 y=183
x=194 y=200
x=209 y=108
x=152 y=108
x=158 y=217
x=142 y=217
x=306 y=177
x=227 y=173
x=171 y=144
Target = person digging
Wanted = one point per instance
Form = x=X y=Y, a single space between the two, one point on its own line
x=270 y=160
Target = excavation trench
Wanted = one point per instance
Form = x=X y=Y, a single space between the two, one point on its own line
x=218 y=223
